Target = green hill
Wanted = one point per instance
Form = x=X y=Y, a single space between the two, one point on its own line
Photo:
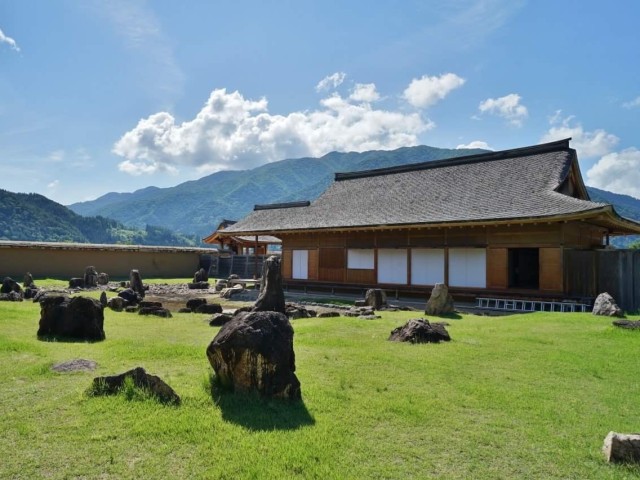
x=33 y=217
x=196 y=207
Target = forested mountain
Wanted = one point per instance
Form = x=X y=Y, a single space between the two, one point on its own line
x=198 y=206
x=625 y=205
x=33 y=217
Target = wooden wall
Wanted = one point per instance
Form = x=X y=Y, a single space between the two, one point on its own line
x=328 y=252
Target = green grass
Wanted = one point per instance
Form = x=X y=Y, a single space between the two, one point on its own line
x=522 y=396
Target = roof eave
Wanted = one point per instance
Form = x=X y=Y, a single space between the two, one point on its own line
x=586 y=214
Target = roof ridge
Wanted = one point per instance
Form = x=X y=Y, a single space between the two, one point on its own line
x=467 y=159
x=271 y=206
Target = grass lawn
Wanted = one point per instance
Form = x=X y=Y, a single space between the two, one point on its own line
x=522 y=396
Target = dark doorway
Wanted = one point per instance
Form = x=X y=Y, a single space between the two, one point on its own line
x=524 y=266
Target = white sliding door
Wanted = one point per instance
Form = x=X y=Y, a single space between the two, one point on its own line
x=300 y=265
x=360 y=259
x=392 y=266
x=427 y=266
x=468 y=267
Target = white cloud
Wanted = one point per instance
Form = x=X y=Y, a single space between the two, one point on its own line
x=507 y=107
x=53 y=185
x=233 y=132
x=364 y=92
x=331 y=81
x=9 y=41
x=426 y=91
x=588 y=144
x=56 y=156
x=633 y=103
x=618 y=172
x=475 y=144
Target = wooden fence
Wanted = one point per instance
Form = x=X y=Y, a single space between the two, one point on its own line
x=588 y=273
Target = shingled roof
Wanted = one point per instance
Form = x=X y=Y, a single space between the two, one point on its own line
x=519 y=184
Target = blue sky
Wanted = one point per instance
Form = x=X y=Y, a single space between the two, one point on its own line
x=115 y=96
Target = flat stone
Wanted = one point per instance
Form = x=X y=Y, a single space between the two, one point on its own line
x=76 y=365
x=622 y=447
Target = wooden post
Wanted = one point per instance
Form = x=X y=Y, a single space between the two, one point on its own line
x=255 y=259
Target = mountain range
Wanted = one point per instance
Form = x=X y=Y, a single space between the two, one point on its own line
x=33 y=217
x=197 y=207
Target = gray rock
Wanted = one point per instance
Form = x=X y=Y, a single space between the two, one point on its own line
x=622 y=447
x=103 y=279
x=117 y=304
x=135 y=282
x=76 y=282
x=194 y=303
x=230 y=292
x=185 y=310
x=629 y=324
x=271 y=298
x=28 y=280
x=78 y=317
x=156 y=311
x=10 y=285
x=209 y=308
x=254 y=353
x=605 y=305
x=328 y=314
x=103 y=299
x=221 y=284
x=219 y=319
x=198 y=285
x=112 y=385
x=90 y=277
x=369 y=317
x=440 y=302
x=419 y=330
x=376 y=298
x=76 y=365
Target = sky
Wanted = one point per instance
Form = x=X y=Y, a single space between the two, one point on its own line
x=102 y=96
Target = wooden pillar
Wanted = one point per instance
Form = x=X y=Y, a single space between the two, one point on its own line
x=255 y=259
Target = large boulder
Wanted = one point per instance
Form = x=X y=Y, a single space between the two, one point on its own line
x=10 y=285
x=78 y=317
x=440 y=302
x=622 y=447
x=135 y=282
x=254 y=353
x=271 y=298
x=375 y=298
x=112 y=385
x=11 y=297
x=103 y=278
x=607 y=306
x=418 y=330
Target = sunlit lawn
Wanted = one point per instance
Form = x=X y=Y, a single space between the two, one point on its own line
x=522 y=396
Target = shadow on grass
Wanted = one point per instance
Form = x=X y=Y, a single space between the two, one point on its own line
x=260 y=414
x=65 y=339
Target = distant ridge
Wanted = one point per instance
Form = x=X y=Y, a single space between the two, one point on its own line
x=33 y=217
x=197 y=206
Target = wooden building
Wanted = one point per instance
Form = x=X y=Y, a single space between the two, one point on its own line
x=501 y=223
x=240 y=244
